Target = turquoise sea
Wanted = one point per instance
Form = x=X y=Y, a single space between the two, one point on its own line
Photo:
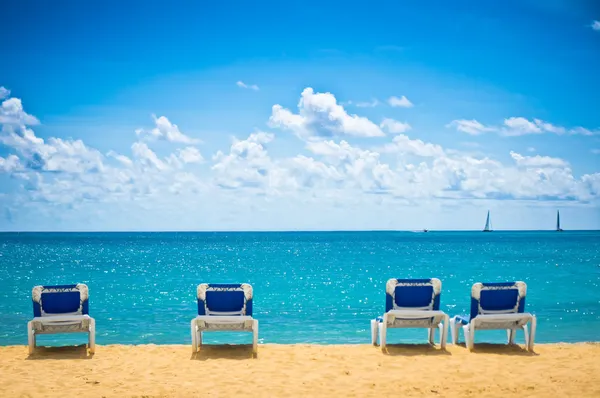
x=309 y=287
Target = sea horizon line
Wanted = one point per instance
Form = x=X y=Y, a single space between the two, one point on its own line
x=292 y=231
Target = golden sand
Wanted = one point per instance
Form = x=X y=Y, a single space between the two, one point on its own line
x=554 y=370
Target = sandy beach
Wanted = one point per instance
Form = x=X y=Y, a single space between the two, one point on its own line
x=301 y=370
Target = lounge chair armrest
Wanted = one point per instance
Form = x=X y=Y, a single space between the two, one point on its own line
x=61 y=318
x=504 y=317
x=415 y=314
x=223 y=319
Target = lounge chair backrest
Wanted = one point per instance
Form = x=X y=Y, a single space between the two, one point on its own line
x=414 y=294
x=498 y=298
x=60 y=300
x=224 y=299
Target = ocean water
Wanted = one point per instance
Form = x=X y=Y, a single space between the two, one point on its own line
x=309 y=287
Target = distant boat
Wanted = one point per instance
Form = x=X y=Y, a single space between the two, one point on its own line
x=425 y=230
x=488 y=224
x=558 y=228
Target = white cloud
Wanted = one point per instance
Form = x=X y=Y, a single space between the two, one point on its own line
x=549 y=127
x=517 y=126
x=147 y=157
x=9 y=164
x=472 y=127
x=521 y=126
x=357 y=168
x=401 y=102
x=531 y=149
x=596 y=25
x=56 y=154
x=58 y=173
x=124 y=160
x=246 y=165
x=394 y=126
x=537 y=161
x=4 y=92
x=241 y=84
x=165 y=130
x=70 y=156
x=321 y=115
x=583 y=131
x=365 y=104
x=11 y=112
x=402 y=144
x=190 y=154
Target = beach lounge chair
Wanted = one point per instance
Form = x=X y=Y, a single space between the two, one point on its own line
x=411 y=303
x=61 y=309
x=222 y=308
x=496 y=306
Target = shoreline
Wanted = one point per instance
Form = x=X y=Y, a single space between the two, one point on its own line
x=280 y=370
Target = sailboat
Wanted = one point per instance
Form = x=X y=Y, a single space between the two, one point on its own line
x=488 y=224
x=558 y=228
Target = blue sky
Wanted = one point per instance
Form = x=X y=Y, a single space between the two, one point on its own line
x=312 y=115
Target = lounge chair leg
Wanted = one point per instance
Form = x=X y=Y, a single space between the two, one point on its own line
x=92 y=336
x=444 y=333
x=431 y=336
x=526 y=333
x=374 y=328
x=199 y=338
x=382 y=334
x=471 y=336
x=532 y=333
x=468 y=336
x=453 y=331
x=510 y=333
x=465 y=329
x=31 y=337
x=255 y=337
x=193 y=332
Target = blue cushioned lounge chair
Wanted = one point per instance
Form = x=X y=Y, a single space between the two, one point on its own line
x=412 y=303
x=223 y=308
x=496 y=306
x=61 y=309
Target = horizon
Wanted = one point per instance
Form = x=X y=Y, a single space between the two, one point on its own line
x=294 y=231
x=207 y=117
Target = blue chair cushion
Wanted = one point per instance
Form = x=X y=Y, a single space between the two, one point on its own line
x=224 y=301
x=61 y=302
x=413 y=296
x=498 y=300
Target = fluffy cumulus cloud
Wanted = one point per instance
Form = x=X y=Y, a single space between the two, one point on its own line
x=4 y=92
x=401 y=102
x=334 y=163
x=472 y=127
x=68 y=172
x=538 y=161
x=9 y=164
x=517 y=126
x=165 y=130
x=319 y=115
x=394 y=126
x=241 y=84
x=246 y=165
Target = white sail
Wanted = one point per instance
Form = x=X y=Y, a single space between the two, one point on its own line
x=488 y=224
x=558 y=228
